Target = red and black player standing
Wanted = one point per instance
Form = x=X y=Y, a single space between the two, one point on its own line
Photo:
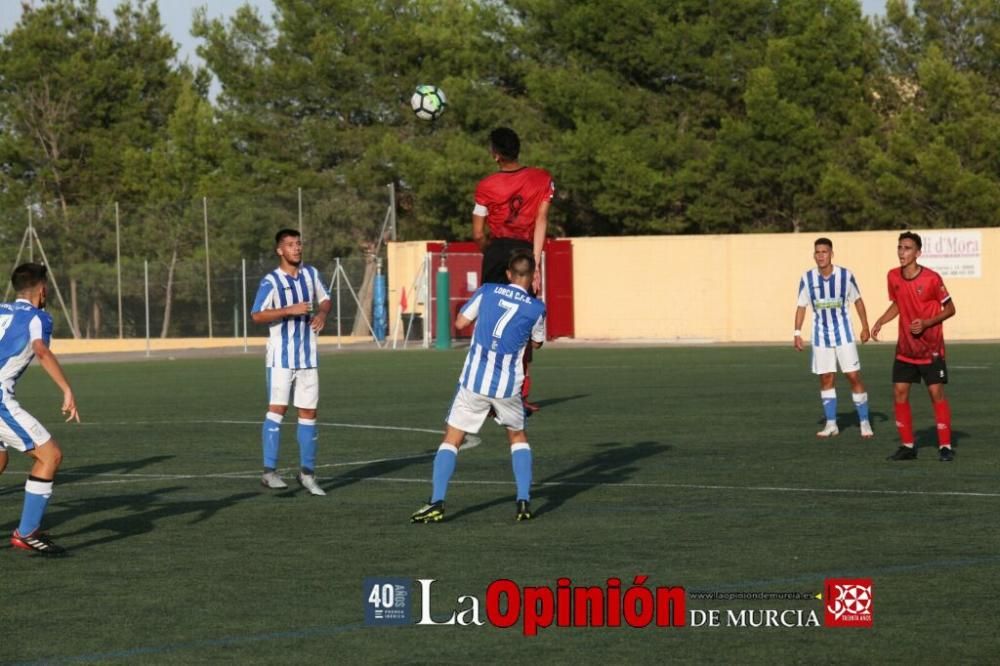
x=511 y=215
x=922 y=303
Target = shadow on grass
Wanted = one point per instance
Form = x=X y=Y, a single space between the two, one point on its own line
x=548 y=402
x=927 y=437
x=850 y=419
x=615 y=463
x=368 y=471
x=70 y=475
x=142 y=511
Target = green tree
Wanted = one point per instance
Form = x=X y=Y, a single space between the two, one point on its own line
x=74 y=93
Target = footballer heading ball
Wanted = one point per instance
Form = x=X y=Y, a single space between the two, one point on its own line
x=428 y=102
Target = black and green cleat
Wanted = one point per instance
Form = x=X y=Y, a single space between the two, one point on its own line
x=432 y=512
x=523 y=510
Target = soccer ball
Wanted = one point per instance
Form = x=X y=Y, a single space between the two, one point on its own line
x=428 y=102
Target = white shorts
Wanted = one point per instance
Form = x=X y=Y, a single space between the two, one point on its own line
x=19 y=429
x=285 y=385
x=469 y=410
x=825 y=359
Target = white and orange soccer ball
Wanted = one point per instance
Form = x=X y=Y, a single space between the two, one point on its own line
x=428 y=102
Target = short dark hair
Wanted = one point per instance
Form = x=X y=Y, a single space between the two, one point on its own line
x=823 y=241
x=27 y=276
x=913 y=237
x=521 y=263
x=283 y=234
x=505 y=143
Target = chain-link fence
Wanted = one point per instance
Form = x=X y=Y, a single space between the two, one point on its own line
x=194 y=253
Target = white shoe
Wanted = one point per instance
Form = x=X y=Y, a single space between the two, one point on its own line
x=308 y=481
x=273 y=481
x=866 y=430
x=831 y=430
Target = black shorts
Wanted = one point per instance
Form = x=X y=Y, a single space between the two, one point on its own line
x=497 y=254
x=935 y=372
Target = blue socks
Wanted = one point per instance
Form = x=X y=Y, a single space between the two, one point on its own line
x=306 y=435
x=861 y=404
x=520 y=460
x=447 y=456
x=829 y=397
x=271 y=436
x=444 y=467
x=36 y=497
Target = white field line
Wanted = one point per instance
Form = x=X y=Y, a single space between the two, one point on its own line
x=472 y=442
x=363 y=426
x=135 y=478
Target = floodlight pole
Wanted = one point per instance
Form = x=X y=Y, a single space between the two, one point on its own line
x=301 y=230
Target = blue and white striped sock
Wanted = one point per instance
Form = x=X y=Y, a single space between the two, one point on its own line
x=271 y=438
x=829 y=397
x=306 y=435
x=520 y=460
x=444 y=467
x=36 y=497
x=861 y=404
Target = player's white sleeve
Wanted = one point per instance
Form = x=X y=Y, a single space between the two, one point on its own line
x=35 y=329
x=805 y=298
x=320 y=290
x=480 y=210
x=538 y=330
x=265 y=295
x=471 y=309
x=853 y=293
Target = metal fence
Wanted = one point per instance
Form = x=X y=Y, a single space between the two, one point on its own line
x=195 y=252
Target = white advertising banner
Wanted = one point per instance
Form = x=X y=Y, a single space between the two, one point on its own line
x=954 y=253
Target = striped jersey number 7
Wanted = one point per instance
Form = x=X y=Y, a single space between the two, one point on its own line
x=510 y=309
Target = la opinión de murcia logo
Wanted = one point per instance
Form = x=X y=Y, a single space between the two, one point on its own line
x=848 y=602
x=506 y=604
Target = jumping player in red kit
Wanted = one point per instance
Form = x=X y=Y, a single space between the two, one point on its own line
x=920 y=299
x=513 y=204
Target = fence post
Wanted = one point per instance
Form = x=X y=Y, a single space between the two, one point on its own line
x=118 y=265
x=208 y=265
x=337 y=272
x=245 y=347
x=145 y=263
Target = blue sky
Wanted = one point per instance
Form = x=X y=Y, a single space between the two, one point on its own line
x=176 y=15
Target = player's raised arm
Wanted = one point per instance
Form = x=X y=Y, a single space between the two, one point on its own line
x=479 y=229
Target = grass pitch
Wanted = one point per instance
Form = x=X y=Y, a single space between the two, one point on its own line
x=695 y=466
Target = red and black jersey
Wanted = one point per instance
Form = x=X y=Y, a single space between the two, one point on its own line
x=919 y=297
x=509 y=200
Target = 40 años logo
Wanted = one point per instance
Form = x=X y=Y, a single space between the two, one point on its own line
x=566 y=605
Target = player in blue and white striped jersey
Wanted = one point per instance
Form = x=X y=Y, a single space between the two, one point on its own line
x=25 y=331
x=830 y=289
x=285 y=302
x=508 y=319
